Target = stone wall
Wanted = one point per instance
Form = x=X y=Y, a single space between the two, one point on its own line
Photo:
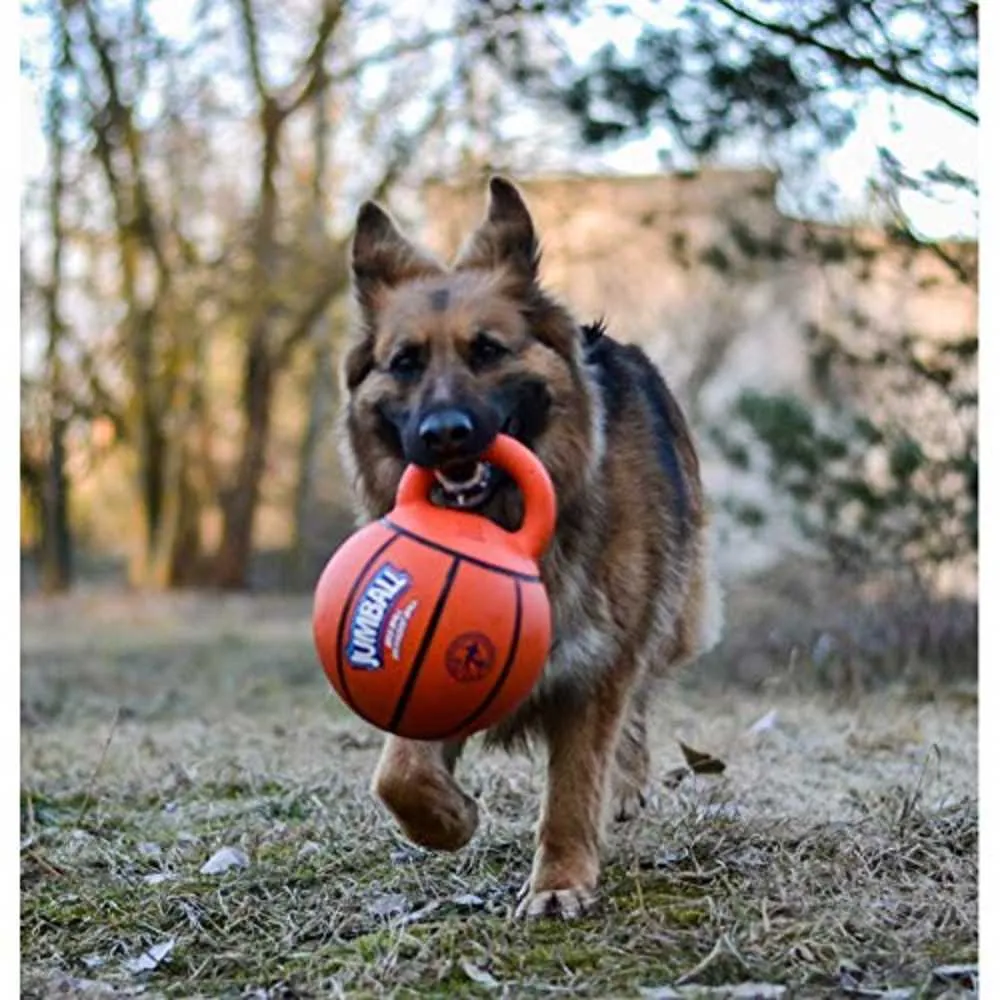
x=720 y=288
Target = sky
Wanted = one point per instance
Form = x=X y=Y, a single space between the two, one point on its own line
x=919 y=133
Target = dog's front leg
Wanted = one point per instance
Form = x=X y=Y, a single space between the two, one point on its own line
x=581 y=760
x=414 y=780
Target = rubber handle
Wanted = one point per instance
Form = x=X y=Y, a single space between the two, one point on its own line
x=539 y=524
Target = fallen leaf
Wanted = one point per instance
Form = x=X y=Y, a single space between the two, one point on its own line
x=850 y=979
x=155 y=878
x=224 y=859
x=721 y=810
x=150 y=958
x=873 y=993
x=764 y=723
x=469 y=900
x=660 y=993
x=669 y=856
x=850 y=975
x=479 y=976
x=701 y=763
x=748 y=991
x=966 y=975
x=675 y=776
x=732 y=991
x=389 y=905
x=405 y=855
x=425 y=911
x=72 y=986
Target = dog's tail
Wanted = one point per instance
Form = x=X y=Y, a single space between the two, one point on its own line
x=698 y=628
x=713 y=614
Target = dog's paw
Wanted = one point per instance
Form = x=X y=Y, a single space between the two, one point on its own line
x=431 y=809
x=628 y=803
x=443 y=826
x=565 y=903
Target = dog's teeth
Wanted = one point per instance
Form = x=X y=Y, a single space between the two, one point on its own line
x=476 y=481
x=468 y=493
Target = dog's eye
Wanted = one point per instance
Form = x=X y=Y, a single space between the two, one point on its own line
x=407 y=362
x=486 y=351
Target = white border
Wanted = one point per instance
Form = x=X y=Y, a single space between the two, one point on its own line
x=989 y=689
x=10 y=559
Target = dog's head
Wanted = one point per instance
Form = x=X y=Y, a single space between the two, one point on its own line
x=447 y=358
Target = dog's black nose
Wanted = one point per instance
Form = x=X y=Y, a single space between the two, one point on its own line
x=446 y=433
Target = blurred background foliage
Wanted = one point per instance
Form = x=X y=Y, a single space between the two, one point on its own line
x=187 y=211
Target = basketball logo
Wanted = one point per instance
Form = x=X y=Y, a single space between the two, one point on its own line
x=470 y=657
x=371 y=617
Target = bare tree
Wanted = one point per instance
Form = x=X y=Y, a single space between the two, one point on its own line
x=270 y=342
x=189 y=251
x=322 y=384
x=43 y=460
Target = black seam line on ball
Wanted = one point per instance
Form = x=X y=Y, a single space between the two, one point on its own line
x=432 y=624
x=342 y=624
x=499 y=683
x=481 y=563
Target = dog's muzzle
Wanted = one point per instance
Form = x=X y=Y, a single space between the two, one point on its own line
x=471 y=483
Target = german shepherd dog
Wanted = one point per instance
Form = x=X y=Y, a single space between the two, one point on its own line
x=445 y=358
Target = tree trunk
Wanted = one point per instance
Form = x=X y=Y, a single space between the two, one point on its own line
x=175 y=554
x=187 y=558
x=233 y=559
x=322 y=388
x=322 y=400
x=151 y=448
x=56 y=548
x=56 y=554
x=170 y=554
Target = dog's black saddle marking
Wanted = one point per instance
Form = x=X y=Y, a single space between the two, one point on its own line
x=623 y=372
x=592 y=333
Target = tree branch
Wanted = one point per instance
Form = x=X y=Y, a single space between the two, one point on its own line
x=252 y=38
x=337 y=277
x=312 y=77
x=890 y=75
x=144 y=222
x=965 y=271
x=389 y=53
x=334 y=282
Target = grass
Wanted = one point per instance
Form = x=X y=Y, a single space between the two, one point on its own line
x=838 y=850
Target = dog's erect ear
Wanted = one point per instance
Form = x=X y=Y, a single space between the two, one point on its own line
x=381 y=257
x=359 y=360
x=506 y=237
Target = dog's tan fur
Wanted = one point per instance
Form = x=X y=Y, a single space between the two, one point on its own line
x=627 y=573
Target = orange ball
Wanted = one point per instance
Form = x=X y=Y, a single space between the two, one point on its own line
x=433 y=623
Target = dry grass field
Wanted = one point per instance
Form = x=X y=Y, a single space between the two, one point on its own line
x=836 y=855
